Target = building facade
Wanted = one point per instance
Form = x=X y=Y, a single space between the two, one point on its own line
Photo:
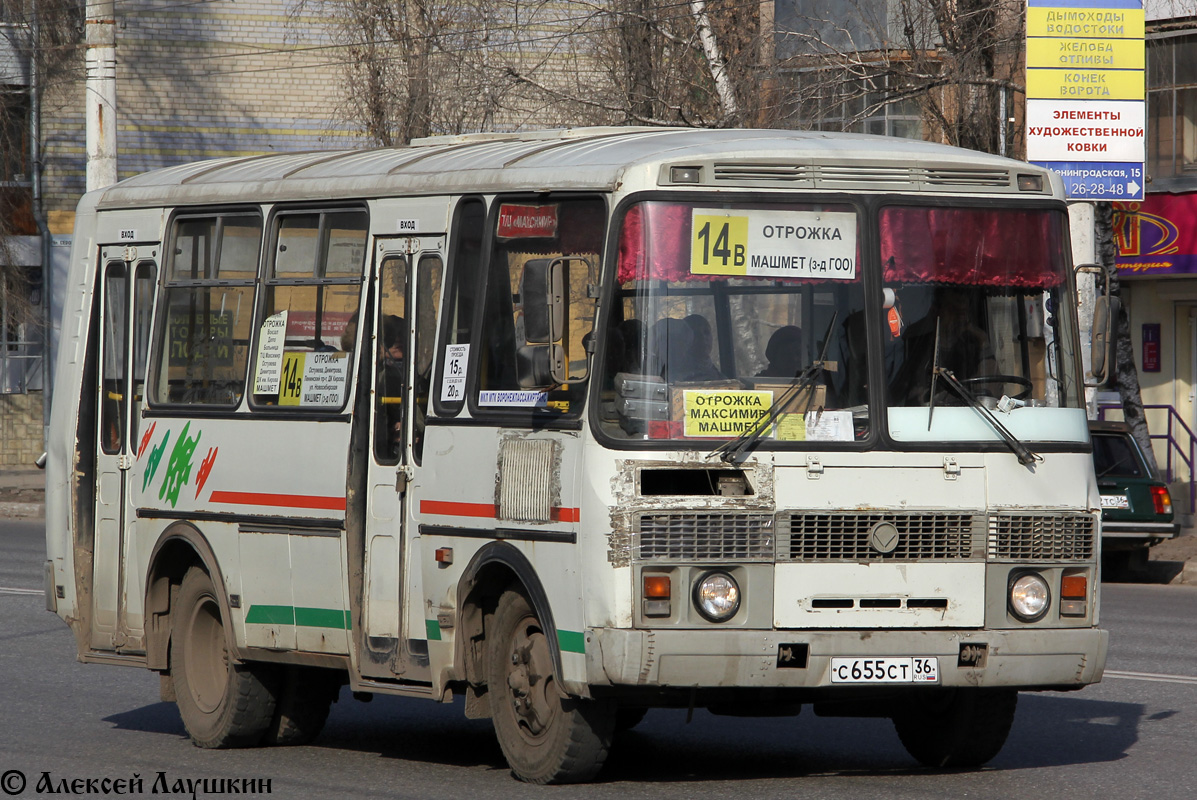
x=194 y=81
x=1157 y=242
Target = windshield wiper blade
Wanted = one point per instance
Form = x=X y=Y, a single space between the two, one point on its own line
x=1024 y=454
x=733 y=451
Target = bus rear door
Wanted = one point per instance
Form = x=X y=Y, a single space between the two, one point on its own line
x=127 y=289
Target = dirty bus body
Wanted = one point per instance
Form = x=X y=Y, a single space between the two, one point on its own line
x=576 y=424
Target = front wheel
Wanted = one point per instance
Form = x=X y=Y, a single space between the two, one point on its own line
x=222 y=703
x=545 y=736
x=957 y=727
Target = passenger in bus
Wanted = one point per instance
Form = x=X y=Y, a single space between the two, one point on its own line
x=704 y=341
x=349 y=335
x=677 y=353
x=784 y=353
x=964 y=347
x=392 y=364
x=631 y=337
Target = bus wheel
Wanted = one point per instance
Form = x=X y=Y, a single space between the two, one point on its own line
x=957 y=728
x=222 y=704
x=545 y=736
x=304 y=697
x=628 y=717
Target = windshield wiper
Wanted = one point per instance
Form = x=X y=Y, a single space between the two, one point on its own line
x=1024 y=454
x=733 y=451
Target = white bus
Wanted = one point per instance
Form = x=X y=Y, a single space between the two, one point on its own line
x=577 y=424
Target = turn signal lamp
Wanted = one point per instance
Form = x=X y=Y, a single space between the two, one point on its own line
x=1074 y=593
x=1161 y=499
x=657 y=591
x=1074 y=587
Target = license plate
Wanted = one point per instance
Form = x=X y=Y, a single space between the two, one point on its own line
x=1114 y=501
x=885 y=670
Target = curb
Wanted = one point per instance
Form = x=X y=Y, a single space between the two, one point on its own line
x=22 y=510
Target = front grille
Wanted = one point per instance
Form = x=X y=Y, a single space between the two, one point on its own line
x=1042 y=537
x=731 y=536
x=845 y=537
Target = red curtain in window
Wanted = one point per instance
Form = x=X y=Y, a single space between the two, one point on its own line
x=977 y=247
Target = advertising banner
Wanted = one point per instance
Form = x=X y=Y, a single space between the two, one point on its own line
x=1157 y=236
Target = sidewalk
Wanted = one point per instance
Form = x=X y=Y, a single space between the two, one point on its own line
x=22 y=493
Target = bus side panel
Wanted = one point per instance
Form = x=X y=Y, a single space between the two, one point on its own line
x=282 y=484
x=460 y=488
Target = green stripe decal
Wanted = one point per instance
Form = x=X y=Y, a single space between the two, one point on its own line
x=434 y=630
x=571 y=641
x=303 y=617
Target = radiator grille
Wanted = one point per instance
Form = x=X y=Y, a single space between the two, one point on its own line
x=714 y=536
x=845 y=537
x=1041 y=537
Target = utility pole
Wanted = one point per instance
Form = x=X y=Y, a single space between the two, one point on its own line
x=100 y=35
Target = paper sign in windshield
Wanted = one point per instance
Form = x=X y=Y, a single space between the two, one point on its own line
x=723 y=412
x=773 y=244
x=314 y=379
x=268 y=372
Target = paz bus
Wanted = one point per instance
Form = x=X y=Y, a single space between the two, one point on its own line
x=575 y=424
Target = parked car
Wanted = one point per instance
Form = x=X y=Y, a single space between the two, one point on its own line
x=1136 y=507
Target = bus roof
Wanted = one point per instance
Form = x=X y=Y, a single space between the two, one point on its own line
x=581 y=159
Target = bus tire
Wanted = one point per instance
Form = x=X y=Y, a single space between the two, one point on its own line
x=222 y=703
x=304 y=698
x=545 y=736
x=957 y=727
x=628 y=717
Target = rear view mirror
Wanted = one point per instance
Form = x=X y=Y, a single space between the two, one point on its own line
x=1105 y=325
x=542 y=296
x=543 y=360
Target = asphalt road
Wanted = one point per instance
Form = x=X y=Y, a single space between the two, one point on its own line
x=1132 y=736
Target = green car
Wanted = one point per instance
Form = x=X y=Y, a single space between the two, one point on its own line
x=1136 y=508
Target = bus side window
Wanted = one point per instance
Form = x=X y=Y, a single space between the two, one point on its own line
x=312 y=291
x=428 y=292
x=526 y=230
x=112 y=384
x=391 y=360
x=207 y=309
x=144 y=284
x=465 y=257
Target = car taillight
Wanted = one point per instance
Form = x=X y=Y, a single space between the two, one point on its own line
x=1161 y=499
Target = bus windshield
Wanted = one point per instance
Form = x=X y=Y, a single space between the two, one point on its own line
x=724 y=311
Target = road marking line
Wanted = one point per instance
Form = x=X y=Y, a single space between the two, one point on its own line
x=1150 y=676
x=11 y=590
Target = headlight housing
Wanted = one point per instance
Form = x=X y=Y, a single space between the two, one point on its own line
x=717 y=596
x=1030 y=596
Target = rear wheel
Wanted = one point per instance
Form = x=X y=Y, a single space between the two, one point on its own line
x=304 y=698
x=546 y=736
x=223 y=704
x=957 y=727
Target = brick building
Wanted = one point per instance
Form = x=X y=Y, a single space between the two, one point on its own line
x=194 y=81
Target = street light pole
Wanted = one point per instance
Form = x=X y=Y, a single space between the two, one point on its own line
x=100 y=35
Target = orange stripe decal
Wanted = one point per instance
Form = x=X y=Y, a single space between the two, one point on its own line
x=486 y=510
x=279 y=500
x=445 y=508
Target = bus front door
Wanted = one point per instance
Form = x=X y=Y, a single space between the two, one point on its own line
x=116 y=614
x=407 y=293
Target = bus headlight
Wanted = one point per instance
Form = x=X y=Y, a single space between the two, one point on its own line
x=717 y=596
x=1029 y=597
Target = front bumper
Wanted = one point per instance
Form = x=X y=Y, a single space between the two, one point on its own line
x=1028 y=659
x=1147 y=533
